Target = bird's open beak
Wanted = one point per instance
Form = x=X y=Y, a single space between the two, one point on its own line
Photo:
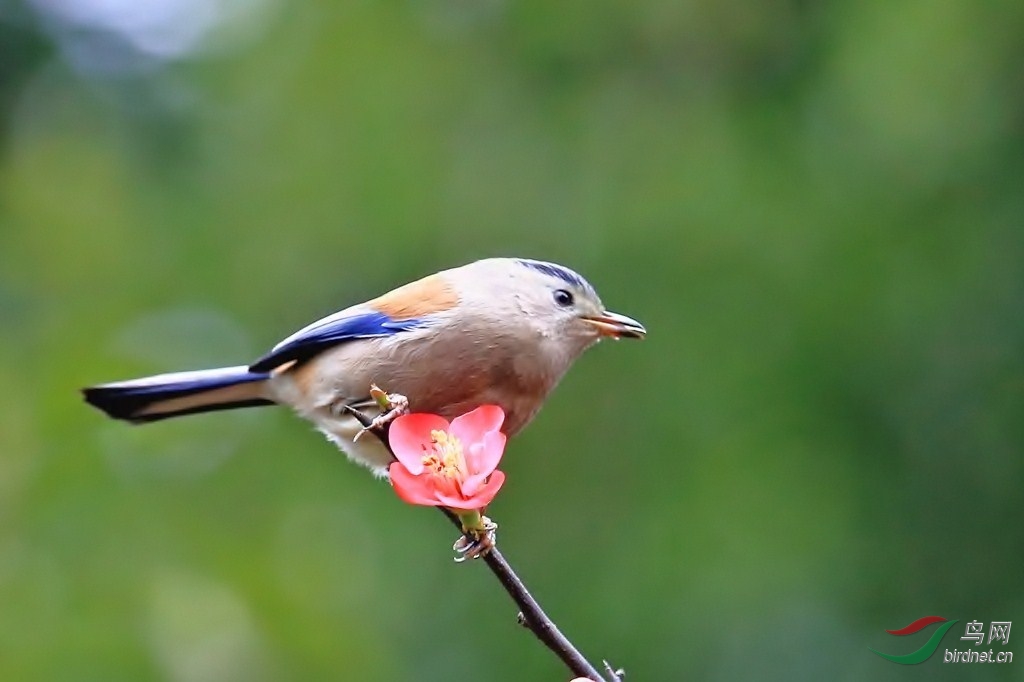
x=617 y=326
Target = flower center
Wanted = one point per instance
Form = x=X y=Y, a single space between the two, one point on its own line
x=445 y=459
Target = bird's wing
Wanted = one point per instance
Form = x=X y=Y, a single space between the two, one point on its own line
x=347 y=325
x=408 y=307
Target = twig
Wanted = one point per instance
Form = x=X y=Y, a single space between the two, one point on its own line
x=530 y=614
x=533 y=615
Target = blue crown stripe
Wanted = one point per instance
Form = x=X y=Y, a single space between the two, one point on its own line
x=553 y=270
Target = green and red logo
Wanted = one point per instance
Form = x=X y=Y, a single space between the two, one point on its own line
x=925 y=652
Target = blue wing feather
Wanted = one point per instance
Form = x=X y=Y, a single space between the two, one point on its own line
x=330 y=331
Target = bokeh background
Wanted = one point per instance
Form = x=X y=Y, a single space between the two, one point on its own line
x=816 y=209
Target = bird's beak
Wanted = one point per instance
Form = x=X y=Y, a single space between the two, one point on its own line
x=616 y=326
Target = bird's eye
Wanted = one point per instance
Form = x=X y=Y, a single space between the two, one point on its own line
x=563 y=297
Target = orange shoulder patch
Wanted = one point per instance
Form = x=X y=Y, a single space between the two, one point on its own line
x=432 y=294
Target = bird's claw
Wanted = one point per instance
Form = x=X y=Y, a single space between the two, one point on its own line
x=392 y=405
x=476 y=542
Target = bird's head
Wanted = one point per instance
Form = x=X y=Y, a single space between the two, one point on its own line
x=554 y=301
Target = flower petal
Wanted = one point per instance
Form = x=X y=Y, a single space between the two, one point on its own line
x=471 y=427
x=480 y=499
x=472 y=483
x=409 y=437
x=482 y=457
x=491 y=488
x=412 y=489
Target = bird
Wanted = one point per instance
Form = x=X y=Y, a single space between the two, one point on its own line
x=497 y=331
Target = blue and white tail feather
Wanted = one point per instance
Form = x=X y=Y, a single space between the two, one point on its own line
x=180 y=393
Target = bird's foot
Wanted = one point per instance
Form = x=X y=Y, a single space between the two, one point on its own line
x=392 y=406
x=480 y=536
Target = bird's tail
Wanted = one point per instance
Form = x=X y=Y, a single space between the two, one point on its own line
x=172 y=395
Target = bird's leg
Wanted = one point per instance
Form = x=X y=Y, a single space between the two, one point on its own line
x=392 y=406
x=479 y=536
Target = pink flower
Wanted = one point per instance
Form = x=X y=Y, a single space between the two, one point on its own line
x=449 y=465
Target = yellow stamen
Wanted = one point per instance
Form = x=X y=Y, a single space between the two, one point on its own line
x=446 y=458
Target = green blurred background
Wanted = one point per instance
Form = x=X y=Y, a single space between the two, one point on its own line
x=815 y=208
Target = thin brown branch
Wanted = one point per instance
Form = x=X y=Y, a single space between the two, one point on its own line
x=530 y=612
x=533 y=615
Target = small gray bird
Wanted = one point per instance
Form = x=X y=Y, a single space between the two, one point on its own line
x=500 y=331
